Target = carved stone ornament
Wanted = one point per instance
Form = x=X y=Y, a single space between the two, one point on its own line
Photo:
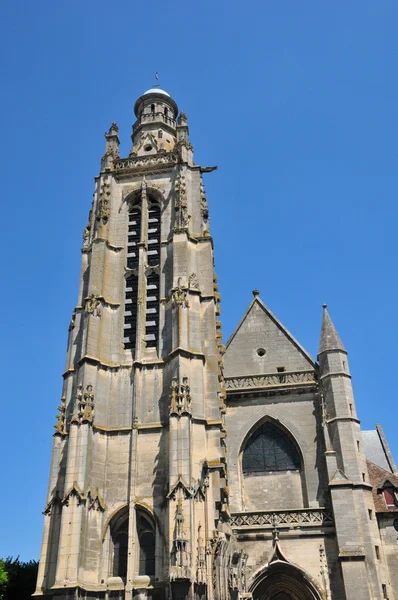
x=104 y=202
x=93 y=305
x=84 y=406
x=204 y=207
x=86 y=236
x=179 y=296
x=76 y=492
x=50 y=505
x=180 y=558
x=60 y=424
x=180 y=397
x=201 y=559
x=182 y=217
x=193 y=283
x=95 y=501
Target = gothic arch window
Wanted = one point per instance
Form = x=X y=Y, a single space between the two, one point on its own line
x=119 y=534
x=147 y=540
x=269 y=449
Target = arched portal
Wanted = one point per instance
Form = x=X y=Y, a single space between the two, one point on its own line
x=282 y=581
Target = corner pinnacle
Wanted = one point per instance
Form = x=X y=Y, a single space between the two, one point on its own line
x=330 y=339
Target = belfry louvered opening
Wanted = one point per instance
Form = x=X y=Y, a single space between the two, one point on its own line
x=151 y=224
x=131 y=294
x=152 y=287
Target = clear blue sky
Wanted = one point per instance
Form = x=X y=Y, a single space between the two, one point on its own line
x=296 y=102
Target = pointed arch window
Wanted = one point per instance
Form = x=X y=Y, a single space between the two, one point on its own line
x=152 y=222
x=131 y=291
x=146 y=539
x=270 y=449
x=389 y=495
x=153 y=277
x=120 y=545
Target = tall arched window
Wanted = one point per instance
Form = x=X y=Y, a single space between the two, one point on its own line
x=119 y=531
x=153 y=279
x=270 y=449
x=146 y=539
x=131 y=294
x=152 y=219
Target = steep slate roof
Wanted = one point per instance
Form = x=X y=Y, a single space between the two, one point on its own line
x=330 y=339
x=259 y=328
x=377 y=449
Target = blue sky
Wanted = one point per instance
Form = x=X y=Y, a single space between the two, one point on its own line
x=296 y=102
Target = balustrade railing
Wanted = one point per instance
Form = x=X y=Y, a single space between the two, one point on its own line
x=306 y=517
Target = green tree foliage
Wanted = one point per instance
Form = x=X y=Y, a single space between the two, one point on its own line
x=21 y=579
x=3 y=579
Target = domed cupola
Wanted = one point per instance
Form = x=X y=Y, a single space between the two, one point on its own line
x=156 y=114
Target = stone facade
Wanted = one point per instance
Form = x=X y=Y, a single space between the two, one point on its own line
x=148 y=497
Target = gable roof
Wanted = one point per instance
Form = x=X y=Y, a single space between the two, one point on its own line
x=252 y=335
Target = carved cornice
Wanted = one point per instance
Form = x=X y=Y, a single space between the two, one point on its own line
x=287 y=379
x=305 y=517
x=158 y=163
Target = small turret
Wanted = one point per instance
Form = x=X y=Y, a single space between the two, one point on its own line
x=156 y=112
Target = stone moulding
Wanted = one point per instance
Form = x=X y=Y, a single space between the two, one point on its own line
x=271 y=380
x=306 y=517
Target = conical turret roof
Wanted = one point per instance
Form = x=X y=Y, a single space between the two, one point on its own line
x=330 y=339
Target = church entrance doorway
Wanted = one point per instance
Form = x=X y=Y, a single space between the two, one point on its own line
x=282 y=581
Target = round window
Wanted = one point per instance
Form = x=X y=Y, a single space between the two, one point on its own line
x=261 y=352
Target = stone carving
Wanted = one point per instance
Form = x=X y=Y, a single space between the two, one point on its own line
x=270 y=380
x=72 y=322
x=76 y=492
x=180 y=559
x=193 y=283
x=95 y=501
x=204 y=207
x=180 y=397
x=270 y=520
x=50 y=505
x=87 y=406
x=182 y=217
x=112 y=141
x=201 y=558
x=324 y=571
x=84 y=406
x=104 y=202
x=179 y=296
x=60 y=424
x=86 y=236
x=93 y=305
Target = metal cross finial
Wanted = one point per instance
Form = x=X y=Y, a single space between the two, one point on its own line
x=157 y=78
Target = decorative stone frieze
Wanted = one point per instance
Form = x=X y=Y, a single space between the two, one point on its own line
x=270 y=380
x=268 y=519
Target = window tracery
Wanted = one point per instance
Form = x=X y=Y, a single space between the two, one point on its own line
x=270 y=449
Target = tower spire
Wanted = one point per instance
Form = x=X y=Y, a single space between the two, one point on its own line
x=330 y=339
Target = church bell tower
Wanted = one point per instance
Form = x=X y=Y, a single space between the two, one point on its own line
x=137 y=501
